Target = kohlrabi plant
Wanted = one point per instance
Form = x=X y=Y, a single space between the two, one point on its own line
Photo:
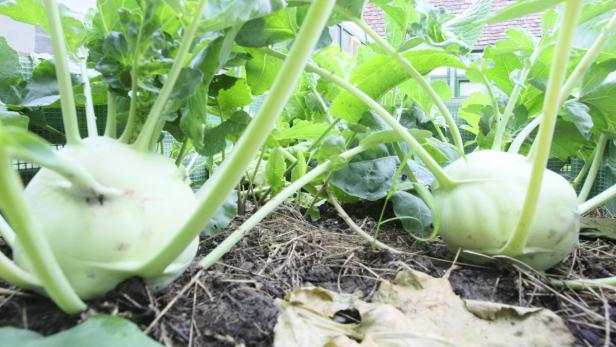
x=488 y=201
x=103 y=209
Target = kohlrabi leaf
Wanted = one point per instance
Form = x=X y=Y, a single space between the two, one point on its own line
x=33 y=12
x=42 y=88
x=597 y=74
x=523 y=8
x=469 y=26
x=602 y=101
x=265 y=31
x=402 y=13
x=209 y=61
x=579 y=114
x=96 y=331
x=388 y=136
x=422 y=98
x=300 y=167
x=221 y=14
x=275 y=170
x=236 y=96
x=215 y=139
x=301 y=130
x=413 y=213
x=10 y=118
x=223 y=216
x=261 y=71
x=366 y=178
x=10 y=69
x=382 y=73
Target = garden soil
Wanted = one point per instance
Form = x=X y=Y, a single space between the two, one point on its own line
x=233 y=303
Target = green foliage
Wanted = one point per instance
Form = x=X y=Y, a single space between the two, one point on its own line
x=96 y=331
x=414 y=214
x=275 y=170
x=382 y=73
x=523 y=8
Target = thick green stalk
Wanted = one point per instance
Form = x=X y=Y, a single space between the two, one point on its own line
x=182 y=153
x=216 y=189
x=608 y=282
x=111 y=127
x=271 y=205
x=423 y=82
x=143 y=140
x=33 y=241
x=517 y=143
x=13 y=274
x=581 y=175
x=598 y=200
x=503 y=120
x=594 y=169
x=6 y=232
x=444 y=180
x=551 y=106
x=87 y=91
x=67 y=99
x=127 y=134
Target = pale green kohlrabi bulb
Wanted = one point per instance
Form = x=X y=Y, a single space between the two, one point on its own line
x=99 y=241
x=481 y=214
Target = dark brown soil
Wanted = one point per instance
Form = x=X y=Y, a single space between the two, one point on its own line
x=233 y=303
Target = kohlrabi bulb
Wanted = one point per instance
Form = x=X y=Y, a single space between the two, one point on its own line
x=483 y=212
x=99 y=241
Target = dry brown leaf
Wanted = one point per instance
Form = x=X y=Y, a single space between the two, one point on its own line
x=414 y=310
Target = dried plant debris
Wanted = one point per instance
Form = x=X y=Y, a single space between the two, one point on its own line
x=416 y=310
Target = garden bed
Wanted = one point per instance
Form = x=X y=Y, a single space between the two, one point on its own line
x=233 y=303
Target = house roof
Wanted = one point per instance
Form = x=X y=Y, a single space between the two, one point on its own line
x=493 y=32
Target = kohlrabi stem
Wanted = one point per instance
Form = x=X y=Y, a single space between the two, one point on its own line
x=87 y=91
x=67 y=99
x=6 y=232
x=271 y=205
x=217 y=188
x=34 y=243
x=444 y=180
x=503 y=120
x=598 y=200
x=608 y=282
x=143 y=140
x=111 y=125
x=524 y=134
x=13 y=274
x=182 y=153
x=423 y=82
x=515 y=245
x=127 y=134
x=594 y=169
x=582 y=174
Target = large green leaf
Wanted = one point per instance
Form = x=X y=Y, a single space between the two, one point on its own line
x=221 y=14
x=603 y=100
x=523 y=8
x=469 y=26
x=10 y=69
x=236 y=96
x=265 y=31
x=33 y=12
x=261 y=71
x=414 y=214
x=95 y=332
x=223 y=216
x=578 y=114
x=382 y=73
x=366 y=178
x=301 y=130
x=275 y=170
